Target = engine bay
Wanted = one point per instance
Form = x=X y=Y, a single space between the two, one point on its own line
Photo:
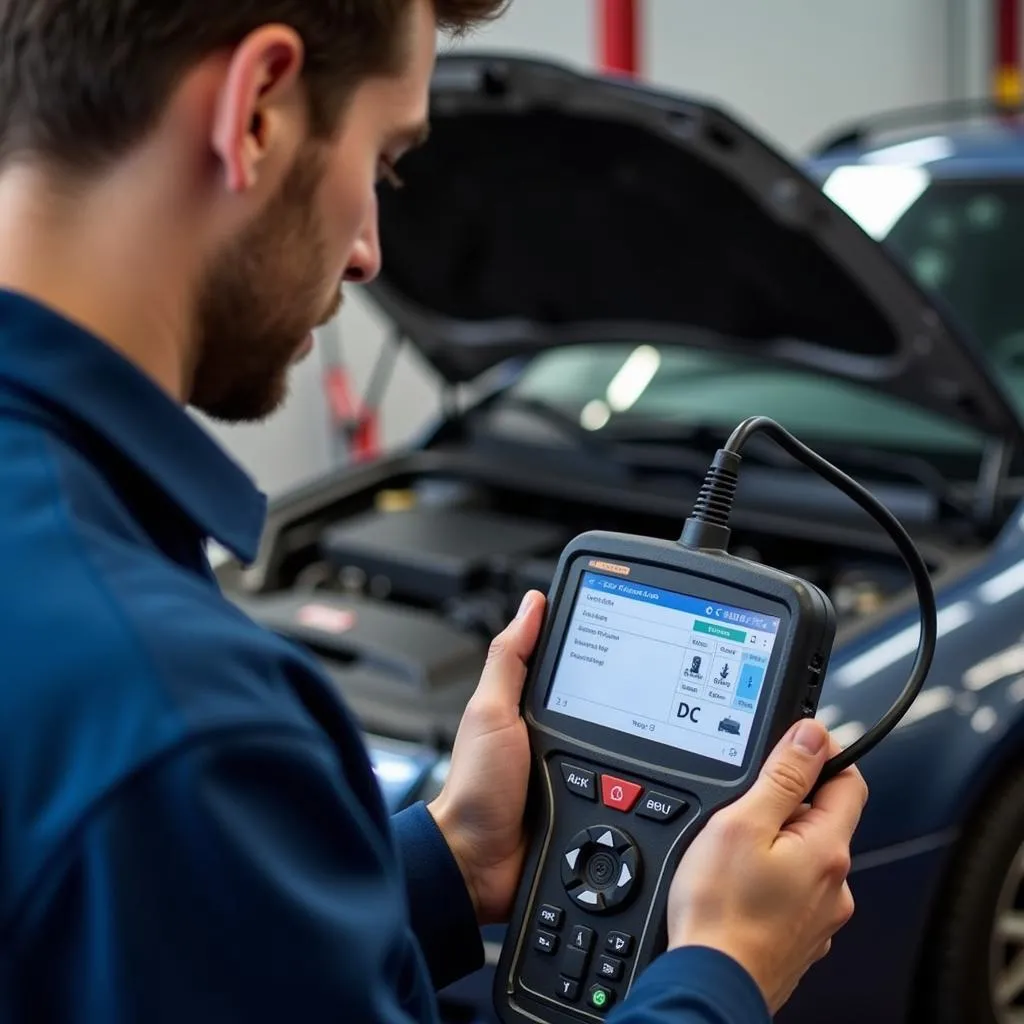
x=399 y=590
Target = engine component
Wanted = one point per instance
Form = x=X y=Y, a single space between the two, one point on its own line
x=402 y=671
x=435 y=554
x=417 y=649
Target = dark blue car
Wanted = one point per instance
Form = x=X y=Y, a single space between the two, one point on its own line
x=606 y=280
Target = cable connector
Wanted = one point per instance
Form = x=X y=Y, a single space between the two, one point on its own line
x=708 y=528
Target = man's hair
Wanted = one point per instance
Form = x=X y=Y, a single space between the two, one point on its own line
x=82 y=81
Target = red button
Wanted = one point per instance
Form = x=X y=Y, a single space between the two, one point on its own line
x=619 y=794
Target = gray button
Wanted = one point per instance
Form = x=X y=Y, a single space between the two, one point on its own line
x=660 y=807
x=579 y=781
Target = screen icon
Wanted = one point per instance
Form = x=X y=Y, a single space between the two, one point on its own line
x=694 y=668
x=688 y=711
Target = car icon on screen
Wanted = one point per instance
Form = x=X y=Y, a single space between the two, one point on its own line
x=729 y=725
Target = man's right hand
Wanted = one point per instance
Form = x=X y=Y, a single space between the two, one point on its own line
x=765 y=881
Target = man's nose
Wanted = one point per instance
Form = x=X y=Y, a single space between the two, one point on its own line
x=365 y=261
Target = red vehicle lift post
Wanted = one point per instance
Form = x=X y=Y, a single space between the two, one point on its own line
x=618 y=26
x=1006 y=78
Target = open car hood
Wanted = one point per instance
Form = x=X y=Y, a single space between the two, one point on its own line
x=552 y=207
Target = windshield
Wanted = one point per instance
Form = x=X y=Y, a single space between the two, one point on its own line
x=960 y=239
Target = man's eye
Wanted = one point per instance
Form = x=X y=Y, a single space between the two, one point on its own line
x=388 y=173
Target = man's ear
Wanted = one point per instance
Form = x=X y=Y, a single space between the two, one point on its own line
x=259 y=119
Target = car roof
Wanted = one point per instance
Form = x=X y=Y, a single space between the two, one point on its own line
x=985 y=144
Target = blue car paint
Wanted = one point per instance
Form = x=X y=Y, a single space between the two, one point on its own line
x=963 y=736
x=926 y=780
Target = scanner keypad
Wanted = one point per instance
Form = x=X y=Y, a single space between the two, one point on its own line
x=600 y=868
x=612 y=832
x=623 y=795
x=550 y=917
x=581 y=961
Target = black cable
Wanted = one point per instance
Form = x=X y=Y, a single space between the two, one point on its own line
x=708 y=529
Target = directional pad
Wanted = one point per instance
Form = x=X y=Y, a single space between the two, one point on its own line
x=600 y=868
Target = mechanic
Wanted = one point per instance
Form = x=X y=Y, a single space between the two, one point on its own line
x=190 y=829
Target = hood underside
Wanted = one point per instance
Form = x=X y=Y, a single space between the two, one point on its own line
x=551 y=207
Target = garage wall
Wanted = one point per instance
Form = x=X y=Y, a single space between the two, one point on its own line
x=793 y=73
x=792 y=67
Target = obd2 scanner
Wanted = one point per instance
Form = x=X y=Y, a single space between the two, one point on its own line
x=665 y=674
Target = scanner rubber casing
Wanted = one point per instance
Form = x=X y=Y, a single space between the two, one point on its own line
x=527 y=980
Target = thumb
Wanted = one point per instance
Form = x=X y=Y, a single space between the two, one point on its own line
x=788 y=776
x=505 y=671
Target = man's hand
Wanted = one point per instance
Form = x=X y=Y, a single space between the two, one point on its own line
x=480 y=810
x=765 y=881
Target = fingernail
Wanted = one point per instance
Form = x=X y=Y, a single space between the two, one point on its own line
x=810 y=736
x=525 y=605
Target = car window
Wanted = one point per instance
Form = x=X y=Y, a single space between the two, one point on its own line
x=958 y=239
x=964 y=241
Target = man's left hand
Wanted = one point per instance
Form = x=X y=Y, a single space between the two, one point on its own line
x=480 y=810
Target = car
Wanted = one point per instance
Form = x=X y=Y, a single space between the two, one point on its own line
x=606 y=279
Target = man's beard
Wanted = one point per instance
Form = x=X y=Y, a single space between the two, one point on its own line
x=259 y=301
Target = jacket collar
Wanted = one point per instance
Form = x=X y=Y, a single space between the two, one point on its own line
x=45 y=354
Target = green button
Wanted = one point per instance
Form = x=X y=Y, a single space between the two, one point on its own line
x=724 y=632
x=600 y=998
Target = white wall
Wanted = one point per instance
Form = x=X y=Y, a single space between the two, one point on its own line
x=792 y=67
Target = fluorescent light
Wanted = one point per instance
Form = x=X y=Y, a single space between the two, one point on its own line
x=848 y=733
x=439 y=774
x=632 y=379
x=899 y=646
x=983 y=719
x=394 y=770
x=1008 y=662
x=1000 y=587
x=915 y=153
x=876 y=197
x=930 y=702
x=828 y=716
x=595 y=415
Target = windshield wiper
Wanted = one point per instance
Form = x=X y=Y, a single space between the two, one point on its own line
x=877 y=465
x=686 y=448
x=632 y=454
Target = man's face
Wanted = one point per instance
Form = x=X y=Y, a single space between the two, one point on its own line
x=281 y=277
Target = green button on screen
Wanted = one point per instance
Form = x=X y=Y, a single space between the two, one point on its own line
x=599 y=999
x=722 y=632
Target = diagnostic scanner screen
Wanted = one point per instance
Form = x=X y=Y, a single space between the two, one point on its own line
x=665 y=666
